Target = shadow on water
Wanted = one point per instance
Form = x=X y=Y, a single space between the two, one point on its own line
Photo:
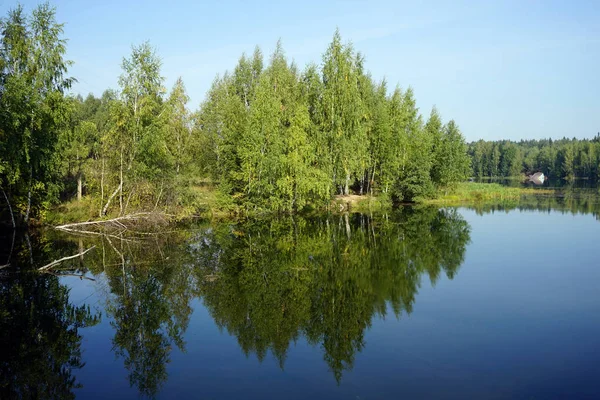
x=267 y=283
x=40 y=329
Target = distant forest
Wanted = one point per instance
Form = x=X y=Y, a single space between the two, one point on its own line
x=269 y=136
x=564 y=158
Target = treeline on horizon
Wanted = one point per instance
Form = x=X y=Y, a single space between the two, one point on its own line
x=558 y=159
x=270 y=136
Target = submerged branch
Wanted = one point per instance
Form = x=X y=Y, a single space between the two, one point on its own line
x=53 y=263
x=82 y=276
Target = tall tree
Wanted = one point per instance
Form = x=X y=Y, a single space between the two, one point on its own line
x=451 y=159
x=138 y=137
x=413 y=178
x=32 y=106
x=341 y=109
x=179 y=135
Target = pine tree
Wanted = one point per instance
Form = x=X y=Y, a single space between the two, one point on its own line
x=33 y=108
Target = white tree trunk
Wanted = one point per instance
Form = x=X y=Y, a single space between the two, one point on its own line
x=102 y=187
x=121 y=184
x=12 y=216
x=29 y=196
x=105 y=209
x=79 y=186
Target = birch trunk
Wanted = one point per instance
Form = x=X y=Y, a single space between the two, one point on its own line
x=121 y=184
x=79 y=186
x=105 y=209
x=12 y=216
x=29 y=196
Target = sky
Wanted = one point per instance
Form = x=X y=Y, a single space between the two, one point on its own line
x=501 y=69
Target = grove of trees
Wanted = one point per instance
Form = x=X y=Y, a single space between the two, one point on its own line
x=278 y=138
x=564 y=158
x=270 y=136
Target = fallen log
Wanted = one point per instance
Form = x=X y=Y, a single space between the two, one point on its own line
x=105 y=221
x=117 y=224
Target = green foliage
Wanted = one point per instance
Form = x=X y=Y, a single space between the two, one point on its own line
x=133 y=149
x=341 y=107
x=270 y=137
x=471 y=192
x=33 y=108
x=565 y=158
x=451 y=160
x=278 y=140
x=416 y=152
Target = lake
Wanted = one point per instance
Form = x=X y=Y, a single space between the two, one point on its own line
x=424 y=303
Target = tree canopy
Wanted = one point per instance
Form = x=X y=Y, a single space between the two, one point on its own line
x=564 y=158
x=270 y=135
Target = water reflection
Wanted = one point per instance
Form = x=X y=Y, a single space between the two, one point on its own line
x=40 y=330
x=270 y=283
x=581 y=201
x=267 y=283
x=149 y=302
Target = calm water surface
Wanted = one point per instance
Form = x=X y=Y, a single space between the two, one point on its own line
x=421 y=303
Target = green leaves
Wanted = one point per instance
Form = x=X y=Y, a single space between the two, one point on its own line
x=342 y=105
x=272 y=138
x=33 y=109
x=564 y=158
x=277 y=140
x=452 y=163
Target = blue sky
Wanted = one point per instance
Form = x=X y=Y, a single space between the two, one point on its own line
x=513 y=69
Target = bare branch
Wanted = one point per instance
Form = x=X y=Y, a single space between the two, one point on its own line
x=53 y=263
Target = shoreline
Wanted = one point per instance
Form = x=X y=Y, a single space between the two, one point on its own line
x=467 y=193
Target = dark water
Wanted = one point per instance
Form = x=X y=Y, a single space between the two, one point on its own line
x=421 y=303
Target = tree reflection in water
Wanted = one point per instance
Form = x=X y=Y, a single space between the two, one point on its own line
x=39 y=327
x=269 y=283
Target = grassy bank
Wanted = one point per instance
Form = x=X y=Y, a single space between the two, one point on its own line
x=208 y=204
x=470 y=192
x=202 y=202
x=465 y=193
